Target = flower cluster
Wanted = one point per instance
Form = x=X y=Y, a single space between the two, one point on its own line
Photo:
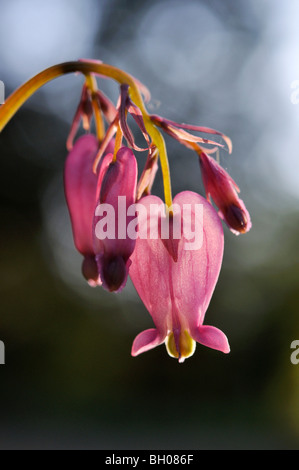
x=173 y=249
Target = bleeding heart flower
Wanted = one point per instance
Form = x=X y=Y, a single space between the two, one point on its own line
x=81 y=188
x=117 y=192
x=176 y=259
x=176 y=277
x=224 y=191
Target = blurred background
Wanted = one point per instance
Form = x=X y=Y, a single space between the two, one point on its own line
x=69 y=379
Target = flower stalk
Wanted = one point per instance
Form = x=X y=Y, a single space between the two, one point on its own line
x=171 y=250
x=24 y=92
x=91 y=83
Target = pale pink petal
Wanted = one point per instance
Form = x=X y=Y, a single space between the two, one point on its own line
x=176 y=281
x=211 y=337
x=146 y=340
x=196 y=273
x=151 y=265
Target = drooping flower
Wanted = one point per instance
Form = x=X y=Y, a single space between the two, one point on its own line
x=117 y=192
x=221 y=187
x=81 y=187
x=175 y=277
x=175 y=268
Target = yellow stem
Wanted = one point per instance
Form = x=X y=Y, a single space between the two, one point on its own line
x=20 y=96
x=118 y=141
x=92 y=85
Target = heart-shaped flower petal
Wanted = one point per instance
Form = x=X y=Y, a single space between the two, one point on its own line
x=81 y=189
x=177 y=290
x=117 y=192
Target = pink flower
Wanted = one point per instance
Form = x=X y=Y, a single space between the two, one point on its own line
x=176 y=276
x=81 y=187
x=117 y=192
x=224 y=191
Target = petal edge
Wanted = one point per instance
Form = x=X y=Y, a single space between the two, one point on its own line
x=146 y=340
x=211 y=337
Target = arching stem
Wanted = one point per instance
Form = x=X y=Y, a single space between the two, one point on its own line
x=24 y=92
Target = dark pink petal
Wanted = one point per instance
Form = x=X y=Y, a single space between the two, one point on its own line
x=213 y=173
x=81 y=191
x=116 y=193
x=236 y=217
x=114 y=271
x=80 y=185
x=90 y=271
x=224 y=191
